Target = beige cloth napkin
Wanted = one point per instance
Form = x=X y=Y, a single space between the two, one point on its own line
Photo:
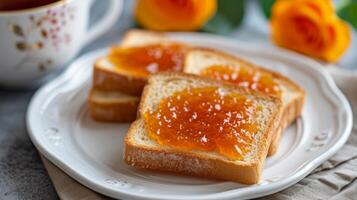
x=66 y=187
x=334 y=179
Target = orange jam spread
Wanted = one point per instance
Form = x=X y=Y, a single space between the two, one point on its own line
x=148 y=59
x=245 y=77
x=208 y=119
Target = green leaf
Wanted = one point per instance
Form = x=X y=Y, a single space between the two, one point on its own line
x=228 y=17
x=348 y=11
x=266 y=6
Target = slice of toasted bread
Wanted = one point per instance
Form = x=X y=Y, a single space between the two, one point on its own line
x=126 y=87
x=143 y=152
x=109 y=106
x=108 y=77
x=292 y=95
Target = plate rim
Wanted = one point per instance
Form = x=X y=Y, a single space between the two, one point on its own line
x=266 y=189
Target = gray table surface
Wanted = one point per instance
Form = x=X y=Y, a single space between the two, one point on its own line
x=22 y=175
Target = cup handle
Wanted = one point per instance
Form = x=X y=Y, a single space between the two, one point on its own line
x=107 y=21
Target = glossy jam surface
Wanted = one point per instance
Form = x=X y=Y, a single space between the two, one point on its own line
x=245 y=77
x=208 y=119
x=148 y=59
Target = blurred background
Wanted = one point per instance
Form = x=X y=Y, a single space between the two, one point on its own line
x=247 y=20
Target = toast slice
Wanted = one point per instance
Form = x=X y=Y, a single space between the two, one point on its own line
x=109 y=106
x=109 y=77
x=292 y=96
x=142 y=151
x=122 y=88
x=106 y=77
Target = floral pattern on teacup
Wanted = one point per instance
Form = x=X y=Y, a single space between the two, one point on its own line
x=41 y=32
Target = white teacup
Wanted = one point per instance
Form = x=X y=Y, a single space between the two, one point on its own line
x=36 y=41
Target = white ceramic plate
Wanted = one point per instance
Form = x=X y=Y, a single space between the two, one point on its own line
x=91 y=152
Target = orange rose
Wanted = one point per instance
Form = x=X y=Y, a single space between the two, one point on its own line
x=174 y=15
x=310 y=27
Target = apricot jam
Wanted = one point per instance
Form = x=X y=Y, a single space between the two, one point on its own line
x=208 y=119
x=148 y=59
x=245 y=77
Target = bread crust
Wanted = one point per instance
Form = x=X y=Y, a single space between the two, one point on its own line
x=187 y=163
x=111 y=80
x=290 y=112
x=128 y=82
x=237 y=59
x=123 y=111
x=193 y=163
x=108 y=80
